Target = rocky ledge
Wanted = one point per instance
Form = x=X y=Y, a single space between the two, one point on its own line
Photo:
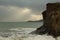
x=51 y=18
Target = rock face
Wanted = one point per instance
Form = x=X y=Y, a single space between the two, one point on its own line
x=51 y=18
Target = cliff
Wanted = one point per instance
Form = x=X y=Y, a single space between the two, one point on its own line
x=51 y=18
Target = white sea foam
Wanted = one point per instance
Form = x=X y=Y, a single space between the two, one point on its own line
x=23 y=34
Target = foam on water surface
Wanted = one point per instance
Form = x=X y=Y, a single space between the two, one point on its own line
x=23 y=34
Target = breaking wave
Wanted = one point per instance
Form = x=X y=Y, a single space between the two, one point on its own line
x=23 y=34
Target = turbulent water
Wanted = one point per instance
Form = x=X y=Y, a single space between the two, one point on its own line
x=21 y=30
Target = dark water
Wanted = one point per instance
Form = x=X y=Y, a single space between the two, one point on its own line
x=4 y=26
x=22 y=32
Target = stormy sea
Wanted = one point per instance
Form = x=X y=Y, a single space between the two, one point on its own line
x=21 y=31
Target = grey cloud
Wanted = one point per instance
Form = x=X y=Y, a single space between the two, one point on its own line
x=35 y=5
x=12 y=15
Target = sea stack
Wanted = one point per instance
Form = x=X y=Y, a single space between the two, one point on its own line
x=51 y=18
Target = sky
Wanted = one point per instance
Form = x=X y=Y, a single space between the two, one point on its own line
x=22 y=10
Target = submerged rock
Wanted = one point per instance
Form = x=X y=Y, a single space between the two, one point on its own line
x=51 y=18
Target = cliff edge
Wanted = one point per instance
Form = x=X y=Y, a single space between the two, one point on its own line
x=51 y=18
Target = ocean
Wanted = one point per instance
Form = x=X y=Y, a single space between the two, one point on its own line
x=8 y=25
x=21 y=30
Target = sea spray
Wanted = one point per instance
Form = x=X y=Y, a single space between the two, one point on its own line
x=26 y=36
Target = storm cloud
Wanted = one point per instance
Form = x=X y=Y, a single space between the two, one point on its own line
x=22 y=10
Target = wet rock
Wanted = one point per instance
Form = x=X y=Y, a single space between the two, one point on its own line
x=42 y=30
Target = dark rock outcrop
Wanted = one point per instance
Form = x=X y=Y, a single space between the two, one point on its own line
x=51 y=18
